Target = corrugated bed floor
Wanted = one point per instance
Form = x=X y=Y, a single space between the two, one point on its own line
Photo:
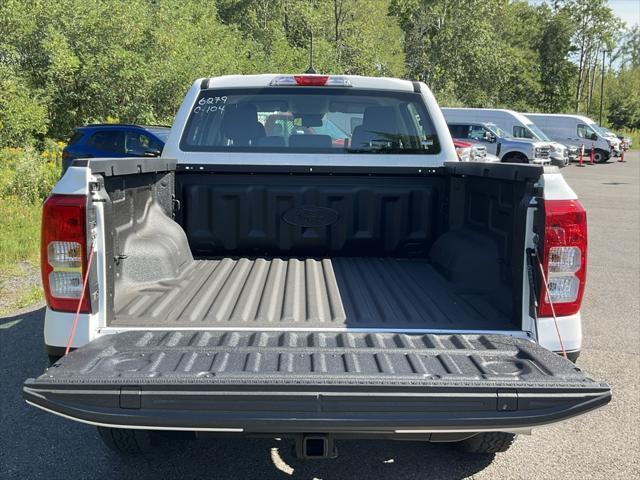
x=323 y=357
x=353 y=292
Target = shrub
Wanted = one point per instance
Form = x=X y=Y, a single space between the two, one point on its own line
x=28 y=174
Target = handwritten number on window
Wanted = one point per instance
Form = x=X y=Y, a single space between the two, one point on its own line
x=210 y=105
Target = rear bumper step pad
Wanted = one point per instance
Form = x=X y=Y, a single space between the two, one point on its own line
x=262 y=382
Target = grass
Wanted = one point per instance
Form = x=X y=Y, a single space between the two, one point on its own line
x=27 y=175
x=19 y=233
x=30 y=296
x=19 y=254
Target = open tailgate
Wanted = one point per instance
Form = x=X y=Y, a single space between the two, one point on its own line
x=276 y=382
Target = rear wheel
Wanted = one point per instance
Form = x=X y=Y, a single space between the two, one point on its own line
x=127 y=441
x=487 y=442
x=600 y=156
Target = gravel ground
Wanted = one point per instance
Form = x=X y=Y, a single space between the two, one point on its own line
x=11 y=287
x=603 y=444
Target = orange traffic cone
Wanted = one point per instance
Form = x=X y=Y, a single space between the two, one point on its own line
x=622 y=157
x=581 y=157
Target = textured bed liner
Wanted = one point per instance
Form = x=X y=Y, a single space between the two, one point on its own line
x=363 y=292
x=271 y=382
x=270 y=357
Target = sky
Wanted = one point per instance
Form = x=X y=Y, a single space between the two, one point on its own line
x=627 y=10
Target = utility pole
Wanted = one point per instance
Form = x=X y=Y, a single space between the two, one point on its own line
x=604 y=52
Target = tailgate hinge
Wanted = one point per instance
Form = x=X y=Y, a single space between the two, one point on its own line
x=507 y=400
x=130 y=397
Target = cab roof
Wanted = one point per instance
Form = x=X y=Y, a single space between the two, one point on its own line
x=123 y=125
x=264 y=80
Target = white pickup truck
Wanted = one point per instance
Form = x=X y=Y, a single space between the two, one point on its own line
x=307 y=259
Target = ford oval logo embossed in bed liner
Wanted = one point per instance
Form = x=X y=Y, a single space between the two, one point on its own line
x=310 y=216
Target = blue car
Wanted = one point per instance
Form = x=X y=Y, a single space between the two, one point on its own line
x=114 y=140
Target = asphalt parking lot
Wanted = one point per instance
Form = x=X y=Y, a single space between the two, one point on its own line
x=603 y=444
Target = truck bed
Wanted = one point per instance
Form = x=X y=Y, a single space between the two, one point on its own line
x=357 y=292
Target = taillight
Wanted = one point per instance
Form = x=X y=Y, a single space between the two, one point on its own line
x=311 y=80
x=564 y=257
x=63 y=245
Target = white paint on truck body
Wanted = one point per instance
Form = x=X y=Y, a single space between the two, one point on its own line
x=555 y=186
x=75 y=181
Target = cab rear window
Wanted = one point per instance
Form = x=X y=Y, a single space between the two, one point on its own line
x=306 y=119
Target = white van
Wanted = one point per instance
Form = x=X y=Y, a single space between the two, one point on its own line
x=514 y=123
x=579 y=131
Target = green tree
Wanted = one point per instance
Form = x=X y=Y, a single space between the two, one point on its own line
x=64 y=63
x=519 y=34
x=129 y=61
x=23 y=111
x=622 y=98
x=628 y=53
x=596 y=26
x=350 y=36
x=458 y=54
x=557 y=72
x=186 y=41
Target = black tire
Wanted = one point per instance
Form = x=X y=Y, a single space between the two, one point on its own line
x=487 y=442
x=515 y=158
x=126 y=441
x=600 y=156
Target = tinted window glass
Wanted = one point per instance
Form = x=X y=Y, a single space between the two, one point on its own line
x=75 y=137
x=107 y=141
x=161 y=133
x=584 y=131
x=539 y=134
x=155 y=144
x=459 y=131
x=521 y=132
x=496 y=130
x=137 y=143
x=477 y=132
x=306 y=119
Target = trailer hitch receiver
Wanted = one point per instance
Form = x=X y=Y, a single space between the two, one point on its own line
x=313 y=447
